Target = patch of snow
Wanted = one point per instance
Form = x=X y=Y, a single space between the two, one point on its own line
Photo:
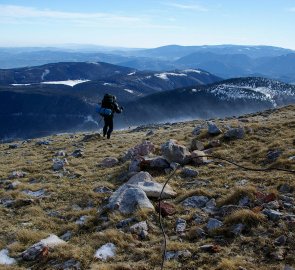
x=192 y=70
x=164 y=76
x=132 y=73
x=106 y=251
x=68 y=82
x=195 y=90
x=20 y=84
x=4 y=258
x=52 y=240
x=45 y=73
x=129 y=91
x=148 y=77
x=109 y=84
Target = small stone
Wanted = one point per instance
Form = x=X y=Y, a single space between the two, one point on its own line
x=272 y=214
x=210 y=248
x=281 y=240
x=103 y=190
x=210 y=207
x=180 y=226
x=237 y=229
x=167 y=209
x=272 y=205
x=138 y=227
x=187 y=172
x=37 y=194
x=273 y=155
x=58 y=164
x=67 y=236
x=91 y=137
x=197 y=130
x=213 y=224
x=150 y=133
x=213 y=129
x=197 y=145
x=245 y=201
x=82 y=220
x=285 y=188
x=78 y=153
x=17 y=174
x=33 y=252
x=242 y=182
x=125 y=223
x=279 y=254
x=198 y=157
x=214 y=143
x=195 y=201
x=13 y=146
x=61 y=153
x=13 y=185
x=109 y=162
x=5 y=259
x=67 y=265
x=235 y=133
x=45 y=142
x=106 y=251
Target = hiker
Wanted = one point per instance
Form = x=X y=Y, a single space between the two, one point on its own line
x=109 y=102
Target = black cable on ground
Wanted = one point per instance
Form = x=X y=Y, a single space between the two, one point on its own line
x=214 y=157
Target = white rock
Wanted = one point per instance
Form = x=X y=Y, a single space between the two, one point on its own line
x=4 y=258
x=52 y=241
x=106 y=251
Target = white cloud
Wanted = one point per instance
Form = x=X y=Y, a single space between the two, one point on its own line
x=21 y=12
x=193 y=7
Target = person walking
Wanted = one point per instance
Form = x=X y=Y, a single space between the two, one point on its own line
x=110 y=102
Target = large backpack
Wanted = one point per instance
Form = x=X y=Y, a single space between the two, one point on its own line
x=108 y=101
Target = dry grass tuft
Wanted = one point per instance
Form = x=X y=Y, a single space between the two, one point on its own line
x=237 y=194
x=195 y=192
x=246 y=217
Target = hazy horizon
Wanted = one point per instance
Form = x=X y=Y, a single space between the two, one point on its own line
x=147 y=23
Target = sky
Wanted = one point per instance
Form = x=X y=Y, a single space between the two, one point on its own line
x=147 y=23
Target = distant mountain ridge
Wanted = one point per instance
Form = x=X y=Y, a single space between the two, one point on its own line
x=225 y=61
x=34 y=113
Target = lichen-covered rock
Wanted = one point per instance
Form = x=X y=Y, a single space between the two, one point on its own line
x=235 y=133
x=197 y=145
x=213 y=129
x=198 y=157
x=109 y=162
x=213 y=224
x=195 y=201
x=174 y=152
x=188 y=172
x=106 y=251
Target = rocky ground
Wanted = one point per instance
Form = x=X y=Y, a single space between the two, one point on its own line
x=80 y=201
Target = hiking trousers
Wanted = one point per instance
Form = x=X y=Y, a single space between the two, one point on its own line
x=108 y=126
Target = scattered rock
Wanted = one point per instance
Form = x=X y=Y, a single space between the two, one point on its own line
x=272 y=214
x=210 y=207
x=109 y=162
x=44 y=142
x=139 y=227
x=210 y=248
x=66 y=236
x=213 y=129
x=242 y=182
x=135 y=164
x=106 y=251
x=198 y=157
x=5 y=259
x=67 y=265
x=125 y=223
x=197 y=145
x=228 y=209
x=103 y=190
x=288 y=267
x=173 y=152
x=13 y=146
x=37 y=194
x=213 y=143
x=158 y=163
x=273 y=155
x=245 y=201
x=167 y=209
x=180 y=226
x=78 y=153
x=281 y=240
x=13 y=185
x=197 y=130
x=91 y=137
x=143 y=149
x=58 y=164
x=61 y=153
x=175 y=255
x=278 y=255
x=285 y=188
x=152 y=189
x=235 y=133
x=34 y=252
x=195 y=201
x=150 y=133
x=213 y=224
x=82 y=220
x=128 y=198
x=237 y=229
x=187 y=172
x=17 y=174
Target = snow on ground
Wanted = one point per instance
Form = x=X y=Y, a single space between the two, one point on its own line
x=132 y=73
x=109 y=84
x=68 y=82
x=4 y=258
x=129 y=91
x=192 y=70
x=164 y=76
x=45 y=73
x=20 y=84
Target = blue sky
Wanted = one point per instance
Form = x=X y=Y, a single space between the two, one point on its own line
x=147 y=23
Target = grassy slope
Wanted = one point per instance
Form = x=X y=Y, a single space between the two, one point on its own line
x=22 y=227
